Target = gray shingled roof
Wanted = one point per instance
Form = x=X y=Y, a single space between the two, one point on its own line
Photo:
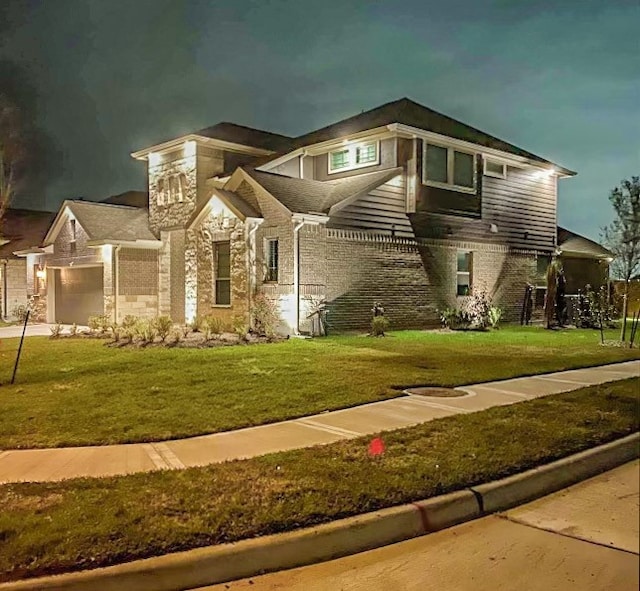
x=408 y=112
x=247 y=136
x=103 y=221
x=308 y=196
x=130 y=198
x=574 y=244
x=24 y=229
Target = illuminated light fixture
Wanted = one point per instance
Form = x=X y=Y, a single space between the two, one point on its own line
x=189 y=148
x=493 y=228
x=154 y=158
x=41 y=273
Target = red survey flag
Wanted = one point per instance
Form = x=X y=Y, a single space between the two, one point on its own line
x=376 y=447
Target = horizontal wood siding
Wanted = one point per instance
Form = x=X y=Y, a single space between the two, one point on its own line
x=381 y=210
x=522 y=208
x=523 y=202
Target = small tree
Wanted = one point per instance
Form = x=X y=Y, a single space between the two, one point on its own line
x=12 y=151
x=622 y=236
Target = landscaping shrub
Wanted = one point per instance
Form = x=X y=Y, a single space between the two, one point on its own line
x=455 y=319
x=196 y=324
x=265 y=315
x=212 y=325
x=474 y=314
x=145 y=330
x=495 y=315
x=56 y=330
x=19 y=311
x=239 y=325
x=162 y=325
x=595 y=307
x=378 y=326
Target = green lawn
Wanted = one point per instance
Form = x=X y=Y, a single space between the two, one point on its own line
x=79 y=392
x=55 y=527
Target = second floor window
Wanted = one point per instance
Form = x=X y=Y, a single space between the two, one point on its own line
x=222 y=273
x=272 y=260
x=449 y=168
x=463 y=273
x=354 y=156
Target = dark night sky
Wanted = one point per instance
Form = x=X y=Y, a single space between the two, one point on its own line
x=102 y=78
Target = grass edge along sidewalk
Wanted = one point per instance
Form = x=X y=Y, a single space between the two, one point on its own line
x=84 y=523
x=229 y=562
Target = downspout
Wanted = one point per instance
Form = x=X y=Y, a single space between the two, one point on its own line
x=296 y=273
x=116 y=281
x=5 y=302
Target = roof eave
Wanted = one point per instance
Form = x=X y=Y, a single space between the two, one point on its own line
x=141 y=243
x=171 y=145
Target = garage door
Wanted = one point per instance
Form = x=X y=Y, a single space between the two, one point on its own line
x=79 y=294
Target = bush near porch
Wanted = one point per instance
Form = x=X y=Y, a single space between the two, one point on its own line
x=79 y=392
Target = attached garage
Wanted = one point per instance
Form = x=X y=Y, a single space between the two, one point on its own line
x=79 y=293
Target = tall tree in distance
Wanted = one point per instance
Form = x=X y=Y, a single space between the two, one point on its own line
x=622 y=236
x=12 y=152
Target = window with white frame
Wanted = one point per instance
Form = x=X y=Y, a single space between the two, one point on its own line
x=464 y=273
x=272 y=260
x=354 y=156
x=449 y=168
x=494 y=168
x=222 y=273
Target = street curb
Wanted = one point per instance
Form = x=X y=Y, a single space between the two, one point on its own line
x=227 y=562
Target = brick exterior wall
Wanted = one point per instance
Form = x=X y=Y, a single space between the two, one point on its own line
x=137 y=283
x=16 y=281
x=412 y=281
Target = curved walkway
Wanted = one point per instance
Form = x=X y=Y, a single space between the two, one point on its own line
x=43 y=465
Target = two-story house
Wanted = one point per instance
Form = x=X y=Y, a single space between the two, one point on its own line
x=399 y=205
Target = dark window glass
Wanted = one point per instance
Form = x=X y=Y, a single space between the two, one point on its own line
x=223 y=273
x=462 y=169
x=436 y=164
x=272 y=260
x=463 y=274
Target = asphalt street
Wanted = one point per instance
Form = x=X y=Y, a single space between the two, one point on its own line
x=581 y=538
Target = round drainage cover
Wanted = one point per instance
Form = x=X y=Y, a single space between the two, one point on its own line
x=436 y=392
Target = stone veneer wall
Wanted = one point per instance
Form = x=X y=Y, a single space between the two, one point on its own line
x=200 y=267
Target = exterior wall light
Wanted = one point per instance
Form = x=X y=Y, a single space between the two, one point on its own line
x=41 y=273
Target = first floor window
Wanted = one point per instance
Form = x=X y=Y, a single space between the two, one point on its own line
x=222 y=273
x=449 y=167
x=272 y=260
x=463 y=273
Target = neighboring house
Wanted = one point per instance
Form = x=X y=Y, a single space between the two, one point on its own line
x=584 y=261
x=399 y=205
x=21 y=233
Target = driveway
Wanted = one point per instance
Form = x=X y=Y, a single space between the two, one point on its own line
x=33 y=330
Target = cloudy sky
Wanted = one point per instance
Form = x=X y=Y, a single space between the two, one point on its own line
x=102 y=78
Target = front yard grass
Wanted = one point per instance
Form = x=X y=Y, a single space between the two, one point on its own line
x=79 y=392
x=87 y=523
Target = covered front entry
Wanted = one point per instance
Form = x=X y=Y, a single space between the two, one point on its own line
x=79 y=293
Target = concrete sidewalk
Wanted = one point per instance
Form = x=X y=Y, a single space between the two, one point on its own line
x=61 y=463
